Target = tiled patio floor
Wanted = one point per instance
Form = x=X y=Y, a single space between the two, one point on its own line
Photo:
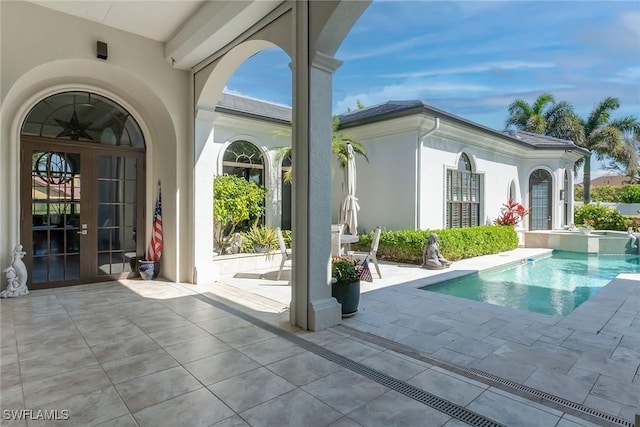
x=590 y=357
x=156 y=354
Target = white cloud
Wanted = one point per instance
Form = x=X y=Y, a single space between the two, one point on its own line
x=392 y=48
x=478 y=68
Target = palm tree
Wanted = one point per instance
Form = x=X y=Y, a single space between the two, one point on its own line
x=530 y=118
x=599 y=134
x=339 y=143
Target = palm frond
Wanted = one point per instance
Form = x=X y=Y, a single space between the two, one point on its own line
x=601 y=113
x=541 y=102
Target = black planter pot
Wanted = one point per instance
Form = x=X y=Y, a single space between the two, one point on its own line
x=348 y=296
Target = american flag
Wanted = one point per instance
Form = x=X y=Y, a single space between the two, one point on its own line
x=363 y=271
x=154 y=252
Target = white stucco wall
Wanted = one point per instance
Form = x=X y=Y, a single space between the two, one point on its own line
x=390 y=195
x=51 y=52
x=386 y=186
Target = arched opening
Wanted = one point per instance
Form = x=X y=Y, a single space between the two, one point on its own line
x=540 y=200
x=82 y=174
x=463 y=195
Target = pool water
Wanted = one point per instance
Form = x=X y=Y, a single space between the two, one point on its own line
x=555 y=285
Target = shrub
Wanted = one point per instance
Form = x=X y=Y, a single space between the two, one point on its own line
x=630 y=194
x=234 y=200
x=603 y=218
x=512 y=213
x=611 y=193
x=455 y=243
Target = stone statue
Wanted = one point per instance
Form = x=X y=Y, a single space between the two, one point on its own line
x=432 y=259
x=235 y=244
x=632 y=238
x=16 y=276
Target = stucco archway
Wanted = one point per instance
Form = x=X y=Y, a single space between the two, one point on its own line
x=320 y=29
x=134 y=95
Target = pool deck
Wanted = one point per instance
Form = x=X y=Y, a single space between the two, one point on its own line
x=590 y=357
x=153 y=353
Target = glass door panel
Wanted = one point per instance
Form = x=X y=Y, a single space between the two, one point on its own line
x=55 y=216
x=116 y=214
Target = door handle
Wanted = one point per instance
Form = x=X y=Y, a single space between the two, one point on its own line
x=82 y=232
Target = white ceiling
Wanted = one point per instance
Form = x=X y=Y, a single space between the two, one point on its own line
x=157 y=20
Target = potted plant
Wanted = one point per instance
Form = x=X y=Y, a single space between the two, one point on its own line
x=345 y=284
x=587 y=226
x=262 y=239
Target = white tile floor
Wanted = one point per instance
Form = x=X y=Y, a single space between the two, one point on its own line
x=151 y=353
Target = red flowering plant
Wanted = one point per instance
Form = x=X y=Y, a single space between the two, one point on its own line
x=512 y=213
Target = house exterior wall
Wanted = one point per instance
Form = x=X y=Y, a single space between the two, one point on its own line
x=52 y=52
x=386 y=185
x=402 y=149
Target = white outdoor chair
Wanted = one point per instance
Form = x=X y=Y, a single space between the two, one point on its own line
x=286 y=256
x=336 y=235
x=371 y=255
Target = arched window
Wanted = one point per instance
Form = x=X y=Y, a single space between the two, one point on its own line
x=83 y=116
x=244 y=159
x=512 y=190
x=463 y=195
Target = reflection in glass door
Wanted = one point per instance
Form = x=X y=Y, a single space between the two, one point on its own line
x=55 y=216
x=81 y=213
x=116 y=214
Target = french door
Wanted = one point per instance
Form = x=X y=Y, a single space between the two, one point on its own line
x=540 y=200
x=80 y=213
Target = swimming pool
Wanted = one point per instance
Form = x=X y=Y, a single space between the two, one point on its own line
x=555 y=285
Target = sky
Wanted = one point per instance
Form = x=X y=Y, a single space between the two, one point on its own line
x=473 y=58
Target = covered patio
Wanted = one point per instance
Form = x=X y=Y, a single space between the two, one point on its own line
x=158 y=353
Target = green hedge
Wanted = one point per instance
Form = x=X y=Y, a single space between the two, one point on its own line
x=603 y=218
x=455 y=243
x=611 y=193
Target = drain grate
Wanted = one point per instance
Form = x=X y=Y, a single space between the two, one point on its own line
x=453 y=410
x=513 y=387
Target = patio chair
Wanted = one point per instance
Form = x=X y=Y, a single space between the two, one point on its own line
x=371 y=255
x=286 y=256
x=336 y=236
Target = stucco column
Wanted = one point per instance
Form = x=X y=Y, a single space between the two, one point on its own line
x=204 y=167
x=312 y=306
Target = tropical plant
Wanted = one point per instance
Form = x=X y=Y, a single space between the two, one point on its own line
x=600 y=217
x=262 y=236
x=600 y=134
x=530 y=118
x=339 y=143
x=512 y=213
x=344 y=270
x=234 y=200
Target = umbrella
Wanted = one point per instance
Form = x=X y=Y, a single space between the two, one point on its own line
x=349 y=209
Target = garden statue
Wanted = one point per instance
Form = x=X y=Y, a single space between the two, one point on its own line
x=632 y=238
x=235 y=244
x=16 y=276
x=432 y=259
